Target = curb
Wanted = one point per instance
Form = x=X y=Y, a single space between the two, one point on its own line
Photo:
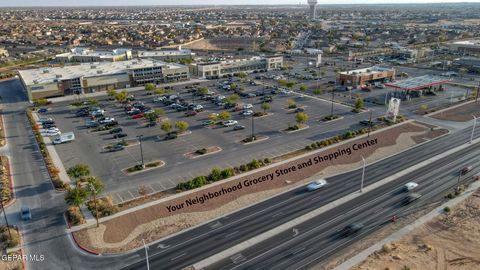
x=12 y=190
x=76 y=242
x=449 y=108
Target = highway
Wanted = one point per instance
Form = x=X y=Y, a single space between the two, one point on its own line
x=192 y=246
x=318 y=239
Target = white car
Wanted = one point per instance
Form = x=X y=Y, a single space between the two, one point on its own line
x=52 y=129
x=247 y=112
x=107 y=120
x=159 y=99
x=229 y=123
x=198 y=107
x=316 y=184
x=247 y=106
x=51 y=133
x=409 y=186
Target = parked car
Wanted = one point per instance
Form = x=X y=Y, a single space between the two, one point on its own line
x=466 y=170
x=115 y=130
x=116 y=147
x=238 y=127
x=191 y=113
x=42 y=110
x=207 y=122
x=267 y=99
x=250 y=95
x=351 y=229
x=159 y=99
x=120 y=135
x=106 y=120
x=246 y=112
x=91 y=124
x=410 y=186
x=247 y=106
x=316 y=184
x=151 y=124
x=198 y=108
x=299 y=110
x=25 y=213
x=229 y=123
x=45 y=120
x=48 y=125
x=137 y=116
x=365 y=88
x=366 y=122
x=171 y=136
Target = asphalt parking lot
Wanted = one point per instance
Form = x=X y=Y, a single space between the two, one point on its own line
x=89 y=146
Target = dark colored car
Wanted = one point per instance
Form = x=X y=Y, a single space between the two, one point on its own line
x=116 y=147
x=49 y=125
x=239 y=127
x=151 y=124
x=299 y=110
x=466 y=170
x=351 y=229
x=116 y=130
x=412 y=197
x=111 y=124
x=171 y=136
x=267 y=99
x=25 y=213
x=42 y=110
x=190 y=113
x=366 y=122
x=120 y=135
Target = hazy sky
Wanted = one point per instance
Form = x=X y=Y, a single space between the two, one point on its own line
x=6 y=3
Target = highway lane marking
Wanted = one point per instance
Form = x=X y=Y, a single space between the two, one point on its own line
x=163 y=246
x=176 y=257
x=230 y=234
x=216 y=225
x=277 y=214
x=237 y=258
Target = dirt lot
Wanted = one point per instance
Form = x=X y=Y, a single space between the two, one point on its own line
x=222 y=44
x=157 y=221
x=459 y=114
x=451 y=241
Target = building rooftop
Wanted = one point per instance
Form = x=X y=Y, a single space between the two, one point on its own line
x=370 y=70
x=48 y=75
x=468 y=42
x=87 y=52
x=417 y=83
x=164 y=53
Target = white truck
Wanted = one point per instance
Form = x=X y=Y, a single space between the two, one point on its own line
x=63 y=138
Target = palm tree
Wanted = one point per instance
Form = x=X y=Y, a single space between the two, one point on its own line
x=76 y=196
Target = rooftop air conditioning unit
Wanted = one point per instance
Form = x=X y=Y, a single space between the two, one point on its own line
x=93 y=67
x=58 y=76
x=99 y=71
x=46 y=71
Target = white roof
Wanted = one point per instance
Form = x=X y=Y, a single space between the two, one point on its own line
x=468 y=42
x=374 y=69
x=49 y=75
x=164 y=53
x=78 y=51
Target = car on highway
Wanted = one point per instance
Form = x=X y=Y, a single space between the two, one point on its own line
x=25 y=213
x=466 y=170
x=137 y=116
x=410 y=186
x=351 y=229
x=317 y=184
x=42 y=110
x=412 y=197
x=120 y=135
x=238 y=127
x=207 y=122
x=171 y=136
x=229 y=123
x=115 y=130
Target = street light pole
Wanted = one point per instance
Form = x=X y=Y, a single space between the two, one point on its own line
x=141 y=149
x=146 y=254
x=5 y=216
x=363 y=175
x=473 y=128
x=94 y=191
x=253 y=127
x=478 y=90
x=333 y=96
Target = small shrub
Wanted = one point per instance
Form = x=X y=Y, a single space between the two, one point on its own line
x=450 y=196
x=74 y=216
x=349 y=134
x=5 y=237
x=215 y=175
x=243 y=168
x=228 y=172
x=267 y=161
x=254 y=164
x=201 y=151
x=57 y=183
x=447 y=209
x=105 y=207
x=308 y=147
x=152 y=164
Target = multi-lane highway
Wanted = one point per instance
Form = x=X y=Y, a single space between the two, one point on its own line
x=194 y=245
x=318 y=239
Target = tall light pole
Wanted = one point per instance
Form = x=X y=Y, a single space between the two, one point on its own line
x=253 y=127
x=333 y=97
x=146 y=254
x=363 y=175
x=473 y=128
x=141 y=149
x=94 y=191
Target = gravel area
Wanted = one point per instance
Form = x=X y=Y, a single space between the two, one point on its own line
x=156 y=221
x=459 y=114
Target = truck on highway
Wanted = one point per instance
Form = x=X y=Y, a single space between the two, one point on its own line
x=63 y=138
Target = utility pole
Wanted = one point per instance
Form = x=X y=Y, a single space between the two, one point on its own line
x=473 y=128
x=333 y=96
x=478 y=90
x=5 y=216
x=141 y=149
x=94 y=191
x=146 y=253
x=363 y=175
x=253 y=127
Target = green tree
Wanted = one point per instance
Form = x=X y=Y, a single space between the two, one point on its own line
x=232 y=98
x=224 y=115
x=121 y=96
x=301 y=118
x=149 y=87
x=213 y=117
x=78 y=171
x=424 y=107
x=290 y=84
x=76 y=196
x=166 y=126
x=159 y=91
x=40 y=102
x=182 y=126
x=202 y=91
x=233 y=86
x=242 y=75
x=265 y=107
x=359 y=104
x=97 y=184
x=303 y=88
x=291 y=104
x=112 y=93
x=92 y=102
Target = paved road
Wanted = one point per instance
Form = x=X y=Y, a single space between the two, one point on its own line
x=201 y=242
x=318 y=240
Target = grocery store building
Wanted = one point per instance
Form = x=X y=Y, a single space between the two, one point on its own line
x=101 y=76
x=364 y=76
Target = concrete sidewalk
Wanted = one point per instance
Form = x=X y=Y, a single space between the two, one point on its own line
x=407 y=229
x=129 y=90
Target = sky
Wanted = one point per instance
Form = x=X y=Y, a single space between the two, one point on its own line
x=14 y=3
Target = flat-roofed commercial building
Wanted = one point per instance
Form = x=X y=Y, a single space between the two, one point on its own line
x=359 y=77
x=469 y=47
x=83 y=55
x=101 y=76
x=167 y=55
x=231 y=67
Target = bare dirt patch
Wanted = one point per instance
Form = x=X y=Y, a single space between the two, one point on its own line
x=459 y=114
x=156 y=221
x=451 y=241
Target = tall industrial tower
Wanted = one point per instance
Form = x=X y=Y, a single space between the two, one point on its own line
x=312 y=4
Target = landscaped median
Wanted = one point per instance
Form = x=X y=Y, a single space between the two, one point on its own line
x=6 y=184
x=3 y=138
x=122 y=232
